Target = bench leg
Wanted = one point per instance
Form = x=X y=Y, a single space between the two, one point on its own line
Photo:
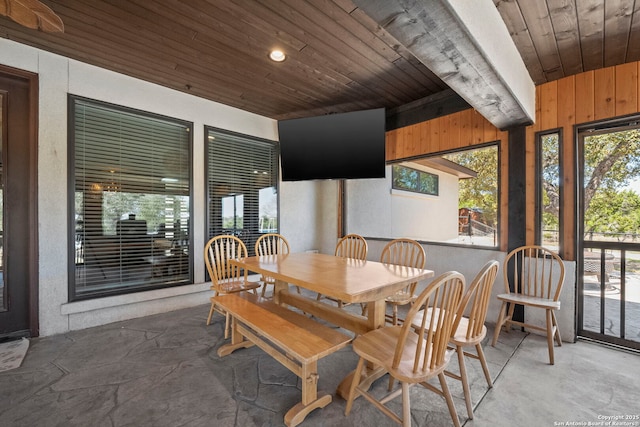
x=310 y=399
x=237 y=340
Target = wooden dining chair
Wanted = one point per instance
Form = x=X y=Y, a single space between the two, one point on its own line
x=350 y=246
x=225 y=277
x=411 y=354
x=271 y=244
x=469 y=329
x=408 y=253
x=537 y=276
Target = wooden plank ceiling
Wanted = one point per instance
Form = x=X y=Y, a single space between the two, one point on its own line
x=338 y=58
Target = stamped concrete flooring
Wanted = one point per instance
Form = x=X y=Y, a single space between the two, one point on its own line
x=163 y=370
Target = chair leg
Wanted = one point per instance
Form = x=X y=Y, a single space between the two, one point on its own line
x=509 y=318
x=555 y=324
x=447 y=396
x=550 y=335
x=485 y=367
x=395 y=314
x=354 y=385
x=210 y=313
x=406 y=405
x=465 y=381
x=226 y=324
x=499 y=322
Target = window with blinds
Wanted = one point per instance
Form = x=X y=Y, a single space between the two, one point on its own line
x=242 y=186
x=132 y=200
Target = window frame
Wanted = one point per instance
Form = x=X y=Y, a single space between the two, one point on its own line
x=498 y=144
x=248 y=220
x=539 y=190
x=420 y=173
x=71 y=191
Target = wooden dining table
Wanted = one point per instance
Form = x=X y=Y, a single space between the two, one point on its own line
x=345 y=279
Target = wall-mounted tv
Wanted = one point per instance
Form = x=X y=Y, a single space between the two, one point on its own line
x=333 y=146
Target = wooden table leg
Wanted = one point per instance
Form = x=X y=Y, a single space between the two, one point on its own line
x=375 y=314
x=376 y=319
x=278 y=288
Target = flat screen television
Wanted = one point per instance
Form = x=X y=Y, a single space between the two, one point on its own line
x=334 y=146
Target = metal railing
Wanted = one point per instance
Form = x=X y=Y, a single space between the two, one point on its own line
x=606 y=259
x=470 y=227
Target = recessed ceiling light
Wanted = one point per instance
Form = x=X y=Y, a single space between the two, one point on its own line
x=277 y=55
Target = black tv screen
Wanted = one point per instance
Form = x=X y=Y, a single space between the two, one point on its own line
x=334 y=146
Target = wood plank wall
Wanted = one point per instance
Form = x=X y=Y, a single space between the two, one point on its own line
x=596 y=95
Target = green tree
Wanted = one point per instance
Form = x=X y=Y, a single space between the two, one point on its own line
x=616 y=212
x=611 y=161
x=480 y=192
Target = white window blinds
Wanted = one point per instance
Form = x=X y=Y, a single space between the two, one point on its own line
x=242 y=176
x=132 y=188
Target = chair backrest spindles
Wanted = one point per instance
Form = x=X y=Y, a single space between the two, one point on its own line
x=477 y=296
x=271 y=244
x=444 y=295
x=217 y=253
x=534 y=271
x=352 y=246
x=404 y=252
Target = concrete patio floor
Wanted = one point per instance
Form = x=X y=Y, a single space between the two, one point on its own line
x=163 y=370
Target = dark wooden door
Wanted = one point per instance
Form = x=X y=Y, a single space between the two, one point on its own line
x=18 y=263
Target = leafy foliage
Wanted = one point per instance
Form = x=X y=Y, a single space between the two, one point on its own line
x=614 y=212
x=611 y=162
x=480 y=192
x=405 y=178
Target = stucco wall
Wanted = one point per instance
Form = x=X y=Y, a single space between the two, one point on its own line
x=308 y=215
x=58 y=77
x=374 y=209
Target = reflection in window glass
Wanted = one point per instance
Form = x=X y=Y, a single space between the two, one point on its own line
x=131 y=211
x=459 y=204
x=268 y=210
x=241 y=185
x=233 y=213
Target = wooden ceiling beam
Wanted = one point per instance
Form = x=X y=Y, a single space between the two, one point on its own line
x=468 y=46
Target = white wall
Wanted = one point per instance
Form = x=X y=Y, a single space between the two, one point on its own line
x=424 y=217
x=58 y=77
x=374 y=209
x=308 y=215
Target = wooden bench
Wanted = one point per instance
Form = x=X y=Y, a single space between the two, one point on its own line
x=293 y=339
